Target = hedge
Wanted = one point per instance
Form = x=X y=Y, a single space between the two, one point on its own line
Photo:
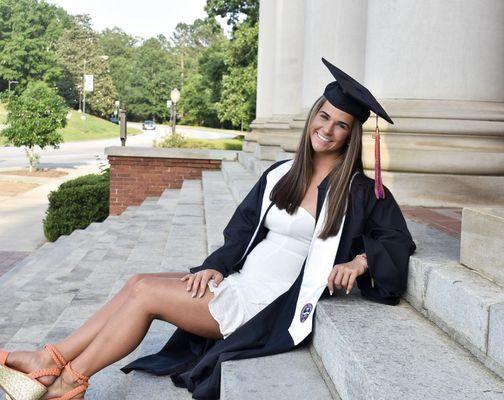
x=76 y=204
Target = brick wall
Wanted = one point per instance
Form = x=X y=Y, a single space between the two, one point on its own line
x=134 y=178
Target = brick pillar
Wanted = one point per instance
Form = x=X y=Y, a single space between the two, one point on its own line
x=134 y=178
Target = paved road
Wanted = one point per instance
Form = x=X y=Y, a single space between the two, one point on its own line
x=73 y=154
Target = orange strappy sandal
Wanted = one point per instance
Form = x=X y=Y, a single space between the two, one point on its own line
x=83 y=385
x=21 y=386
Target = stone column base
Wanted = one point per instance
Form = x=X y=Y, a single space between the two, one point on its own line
x=444 y=190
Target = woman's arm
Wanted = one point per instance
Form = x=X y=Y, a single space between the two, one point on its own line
x=388 y=245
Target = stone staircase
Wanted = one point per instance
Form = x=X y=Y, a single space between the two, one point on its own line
x=444 y=341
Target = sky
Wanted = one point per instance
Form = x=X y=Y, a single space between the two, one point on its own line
x=144 y=18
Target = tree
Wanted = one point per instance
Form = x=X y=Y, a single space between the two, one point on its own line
x=196 y=102
x=79 y=52
x=238 y=97
x=237 y=103
x=189 y=40
x=152 y=76
x=29 y=30
x=34 y=116
x=232 y=9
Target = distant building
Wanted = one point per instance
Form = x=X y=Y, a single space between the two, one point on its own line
x=436 y=66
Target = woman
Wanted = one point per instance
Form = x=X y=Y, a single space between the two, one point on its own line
x=310 y=225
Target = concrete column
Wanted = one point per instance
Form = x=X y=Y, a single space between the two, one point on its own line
x=265 y=76
x=265 y=60
x=438 y=69
x=335 y=30
x=287 y=75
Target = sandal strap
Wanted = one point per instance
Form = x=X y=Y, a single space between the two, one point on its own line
x=45 y=372
x=56 y=355
x=82 y=379
x=3 y=356
x=72 y=393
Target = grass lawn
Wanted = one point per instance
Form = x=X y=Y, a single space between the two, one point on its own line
x=93 y=128
x=204 y=128
x=75 y=129
x=215 y=144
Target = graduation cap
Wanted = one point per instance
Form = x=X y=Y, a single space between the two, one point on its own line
x=348 y=95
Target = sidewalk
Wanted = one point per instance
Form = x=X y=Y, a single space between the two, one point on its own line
x=21 y=215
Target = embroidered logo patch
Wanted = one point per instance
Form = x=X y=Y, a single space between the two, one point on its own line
x=305 y=312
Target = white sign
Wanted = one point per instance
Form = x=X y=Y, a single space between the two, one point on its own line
x=168 y=103
x=88 y=83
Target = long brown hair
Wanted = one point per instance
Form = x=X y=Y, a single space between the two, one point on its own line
x=290 y=190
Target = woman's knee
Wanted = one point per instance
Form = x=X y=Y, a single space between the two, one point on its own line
x=132 y=281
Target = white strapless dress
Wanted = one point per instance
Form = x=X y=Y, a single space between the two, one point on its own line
x=269 y=270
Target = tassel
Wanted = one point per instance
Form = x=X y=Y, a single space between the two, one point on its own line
x=378 y=189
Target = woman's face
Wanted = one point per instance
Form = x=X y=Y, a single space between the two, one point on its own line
x=330 y=130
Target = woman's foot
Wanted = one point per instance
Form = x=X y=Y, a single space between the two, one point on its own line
x=29 y=361
x=64 y=384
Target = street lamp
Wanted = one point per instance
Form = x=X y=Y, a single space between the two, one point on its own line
x=175 y=97
x=12 y=82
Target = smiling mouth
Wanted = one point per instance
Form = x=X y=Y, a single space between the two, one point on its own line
x=324 y=139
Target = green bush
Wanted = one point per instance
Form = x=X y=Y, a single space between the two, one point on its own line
x=76 y=204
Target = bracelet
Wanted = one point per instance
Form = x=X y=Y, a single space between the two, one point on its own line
x=363 y=256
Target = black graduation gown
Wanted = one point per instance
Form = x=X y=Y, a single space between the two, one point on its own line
x=376 y=227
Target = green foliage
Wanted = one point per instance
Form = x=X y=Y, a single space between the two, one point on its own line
x=231 y=9
x=238 y=96
x=79 y=52
x=189 y=143
x=34 y=117
x=196 y=102
x=39 y=41
x=28 y=34
x=76 y=204
x=176 y=140
x=152 y=76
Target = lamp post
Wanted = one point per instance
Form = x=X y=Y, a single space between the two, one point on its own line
x=10 y=83
x=175 y=97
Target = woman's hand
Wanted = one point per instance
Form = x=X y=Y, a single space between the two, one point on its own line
x=200 y=279
x=344 y=275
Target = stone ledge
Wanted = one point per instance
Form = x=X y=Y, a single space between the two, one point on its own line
x=481 y=241
x=455 y=298
x=375 y=351
x=155 y=152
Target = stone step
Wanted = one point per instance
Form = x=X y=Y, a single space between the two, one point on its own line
x=375 y=351
x=219 y=207
x=481 y=241
x=467 y=306
x=141 y=385
x=52 y=282
x=290 y=376
x=185 y=247
x=253 y=164
x=239 y=179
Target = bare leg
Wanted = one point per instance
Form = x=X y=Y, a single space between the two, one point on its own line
x=75 y=343
x=151 y=298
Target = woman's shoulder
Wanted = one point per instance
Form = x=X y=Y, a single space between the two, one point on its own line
x=276 y=164
x=362 y=182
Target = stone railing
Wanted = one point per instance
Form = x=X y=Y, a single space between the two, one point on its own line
x=140 y=172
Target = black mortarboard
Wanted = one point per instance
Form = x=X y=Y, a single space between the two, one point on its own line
x=350 y=96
